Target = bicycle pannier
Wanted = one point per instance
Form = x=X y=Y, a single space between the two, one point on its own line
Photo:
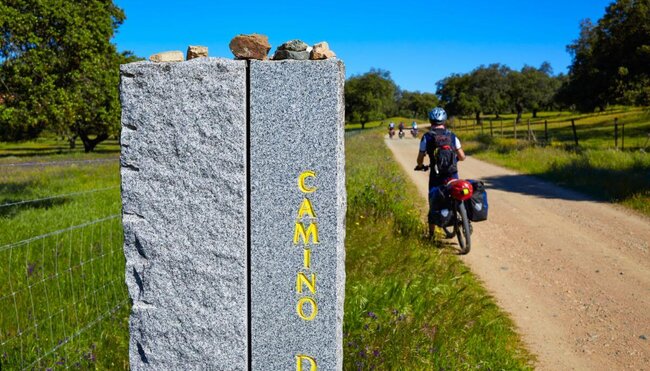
x=439 y=210
x=477 y=206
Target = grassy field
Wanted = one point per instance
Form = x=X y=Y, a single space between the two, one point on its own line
x=49 y=148
x=594 y=131
x=409 y=304
x=595 y=168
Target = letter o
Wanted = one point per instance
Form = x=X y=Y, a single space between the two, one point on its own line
x=301 y=181
x=300 y=308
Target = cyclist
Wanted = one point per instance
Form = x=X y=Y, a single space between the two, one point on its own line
x=391 y=129
x=401 y=130
x=444 y=150
x=414 y=129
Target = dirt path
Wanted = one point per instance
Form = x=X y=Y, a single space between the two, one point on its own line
x=573 y=273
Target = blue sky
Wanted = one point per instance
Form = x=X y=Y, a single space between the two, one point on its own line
x=420 y=42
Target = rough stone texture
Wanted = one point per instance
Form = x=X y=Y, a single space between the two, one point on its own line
x=196 y=51
x=254 y=46
x=321 y=51
x=288 y=54
x=172 y=56
x=296 y=120
x=183 y=167
x=294 y=46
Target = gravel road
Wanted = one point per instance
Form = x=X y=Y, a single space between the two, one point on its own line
x=574 y=273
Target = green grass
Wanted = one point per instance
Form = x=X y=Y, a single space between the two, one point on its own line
x=410 y=305
x=48 y=148
x=53 y=288
x=594 y=131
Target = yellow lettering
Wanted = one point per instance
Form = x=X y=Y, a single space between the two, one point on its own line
x=306 y=261
x=306 y=208
x=301 y=181
x=300 y=308
x=312 y=231
x=301 y=279
x=303 y=357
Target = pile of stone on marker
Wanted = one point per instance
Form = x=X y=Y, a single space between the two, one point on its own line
x=254 y=46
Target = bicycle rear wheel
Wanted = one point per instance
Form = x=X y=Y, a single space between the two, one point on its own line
x=463 y=231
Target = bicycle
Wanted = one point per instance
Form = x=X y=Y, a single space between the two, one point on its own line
x=460 y=223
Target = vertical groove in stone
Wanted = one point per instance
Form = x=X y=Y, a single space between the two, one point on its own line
x=248 y=214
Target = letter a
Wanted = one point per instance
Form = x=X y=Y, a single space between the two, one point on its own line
x=303 y=357
x=306 y=208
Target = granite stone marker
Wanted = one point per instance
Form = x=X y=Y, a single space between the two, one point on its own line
x=184 y=212
x=297 y=214
x=233 y=192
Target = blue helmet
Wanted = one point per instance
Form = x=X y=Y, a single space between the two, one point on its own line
x=437 y=115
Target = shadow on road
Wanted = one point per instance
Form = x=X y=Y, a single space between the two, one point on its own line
x=530 y=185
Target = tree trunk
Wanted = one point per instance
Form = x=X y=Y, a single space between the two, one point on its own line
x=72 y=141
x=519 y=109
x=478 y=118
x=534 y=113
x=363 y=125
x=90 y=144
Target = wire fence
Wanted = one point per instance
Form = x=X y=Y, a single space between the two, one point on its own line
x=571 y=133
x=54 y=288
x=58 y=163
x=63 y=300
x=56 y=197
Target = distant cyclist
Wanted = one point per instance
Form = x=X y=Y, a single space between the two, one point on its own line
x=414 y=129
x=391 y=129
x=444 y=151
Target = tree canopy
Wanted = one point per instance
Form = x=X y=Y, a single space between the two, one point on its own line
x=369 y=97
x=611 y=59
x=59 y=69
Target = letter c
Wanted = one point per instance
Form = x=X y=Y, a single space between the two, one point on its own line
x=301 y=181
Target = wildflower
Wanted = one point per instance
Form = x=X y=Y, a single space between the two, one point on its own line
x=30 y=269
x=372 y=315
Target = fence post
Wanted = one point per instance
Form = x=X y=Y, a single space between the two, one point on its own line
x=501 y=128
x=491 y=134
x=616 y=132
x=623 y=137
x=575 y=135
x=546 y=131
x=515 y=129
x=528 y=123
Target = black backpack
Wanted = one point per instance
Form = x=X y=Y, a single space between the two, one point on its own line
x=441 y=148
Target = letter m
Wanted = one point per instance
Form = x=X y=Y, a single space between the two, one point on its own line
x=311 y=232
